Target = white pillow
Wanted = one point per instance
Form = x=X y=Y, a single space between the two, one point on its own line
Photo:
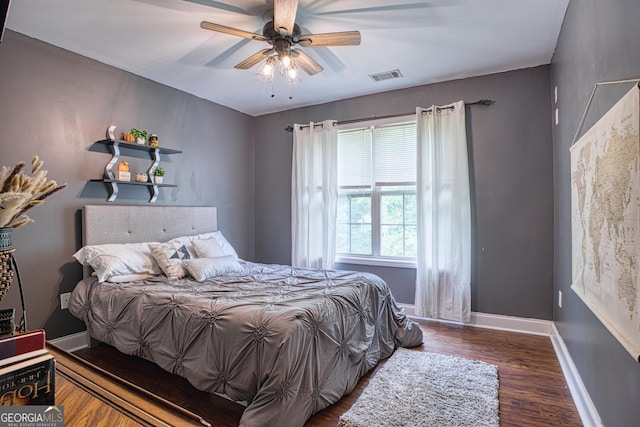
x=207 y=235
x=226 y=246
x=202 y=269
x=208 y=248
x=116 y=259
x=189 y=240
x=170 y=255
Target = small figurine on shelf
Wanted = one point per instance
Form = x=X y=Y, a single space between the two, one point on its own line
x=123 y=171
x=128 y=137
x=158 y=175
x=153 y=140
x=140 y=135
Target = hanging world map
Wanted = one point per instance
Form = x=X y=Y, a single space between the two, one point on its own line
x=605 y=222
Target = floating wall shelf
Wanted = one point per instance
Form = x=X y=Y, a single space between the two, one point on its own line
x=115 y=147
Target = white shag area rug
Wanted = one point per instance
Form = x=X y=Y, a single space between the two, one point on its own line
x=415 y=388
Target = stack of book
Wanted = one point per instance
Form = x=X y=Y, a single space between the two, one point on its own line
x=27 y=370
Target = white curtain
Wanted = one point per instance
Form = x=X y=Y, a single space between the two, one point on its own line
x=314 y=195
x=443 y=279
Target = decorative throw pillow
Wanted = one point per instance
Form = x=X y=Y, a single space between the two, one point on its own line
x=202 y=269
x=170 y=255
x=118 y=259
x=208 y=248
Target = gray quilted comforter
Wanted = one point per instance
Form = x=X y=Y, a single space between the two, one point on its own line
x=289 y=341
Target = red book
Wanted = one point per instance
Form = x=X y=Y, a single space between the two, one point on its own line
x=22 y=343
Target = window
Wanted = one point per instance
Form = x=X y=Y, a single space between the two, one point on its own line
x=376 y=217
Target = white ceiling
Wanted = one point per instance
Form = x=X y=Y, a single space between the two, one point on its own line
x=428 y=41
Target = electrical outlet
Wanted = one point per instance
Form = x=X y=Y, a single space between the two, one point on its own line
x=64 y=300
x=560 y=299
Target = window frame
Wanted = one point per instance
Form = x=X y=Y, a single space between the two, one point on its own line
x=375 y=259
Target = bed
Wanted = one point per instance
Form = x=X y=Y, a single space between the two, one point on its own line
x=287 y=341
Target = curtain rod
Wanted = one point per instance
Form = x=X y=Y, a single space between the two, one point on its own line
x=486 y=102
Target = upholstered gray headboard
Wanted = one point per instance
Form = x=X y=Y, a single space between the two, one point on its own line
x=134 y=224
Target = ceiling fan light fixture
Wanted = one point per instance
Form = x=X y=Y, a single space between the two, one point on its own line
x=293 y=74
x=286 y=60
x=266 y=71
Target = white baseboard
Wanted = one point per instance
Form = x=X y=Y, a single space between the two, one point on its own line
x=72 y=342
x=497 y=321
x=584 y=404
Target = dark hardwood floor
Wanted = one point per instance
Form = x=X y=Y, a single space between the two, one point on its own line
x=533 y=391
x=83 y=409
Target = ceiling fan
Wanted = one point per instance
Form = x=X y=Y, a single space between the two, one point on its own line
x=282 y=33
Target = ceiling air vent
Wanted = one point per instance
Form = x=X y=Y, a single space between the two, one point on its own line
x=386 y=75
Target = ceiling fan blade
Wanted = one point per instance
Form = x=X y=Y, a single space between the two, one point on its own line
x=343 y=38
x=329 y=59
x=307 y=63
x=233 y=31
x=284 y=16
x=254 y=59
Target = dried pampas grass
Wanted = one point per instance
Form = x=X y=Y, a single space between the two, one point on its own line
x=19 y=192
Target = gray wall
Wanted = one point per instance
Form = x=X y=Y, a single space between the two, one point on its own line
x=599 y=41
x=56 y=104
x=512 y=184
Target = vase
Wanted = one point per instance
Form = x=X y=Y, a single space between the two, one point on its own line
x=9 y=268
x=6 y=267
x=141 y=140
x=158 y=179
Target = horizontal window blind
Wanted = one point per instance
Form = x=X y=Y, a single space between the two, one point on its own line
x=394 y=154
x=354 y=159
x=377 y=155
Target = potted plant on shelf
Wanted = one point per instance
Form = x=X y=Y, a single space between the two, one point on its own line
x=140 y=135
x=158 y=175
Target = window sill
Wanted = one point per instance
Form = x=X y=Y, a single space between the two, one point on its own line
x=377 y=262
